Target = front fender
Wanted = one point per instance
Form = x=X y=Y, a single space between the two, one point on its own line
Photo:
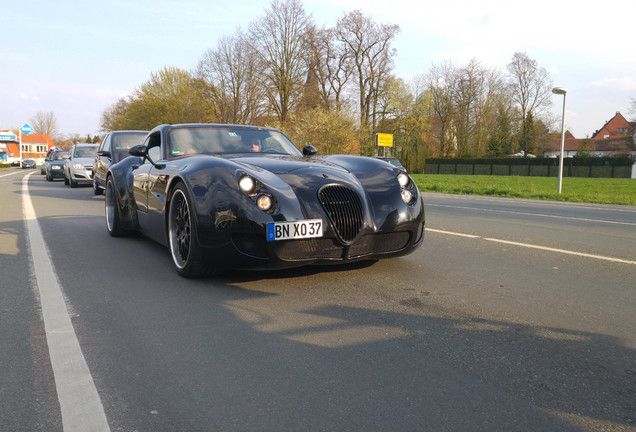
x=122 y=177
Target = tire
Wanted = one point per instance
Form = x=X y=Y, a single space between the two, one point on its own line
x=65 y=180
x=183 y=236
x=48 y=177
x=96 y=189
x=113 y=217
x=72 y=182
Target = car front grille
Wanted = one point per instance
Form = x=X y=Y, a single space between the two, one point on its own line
x=344 y=209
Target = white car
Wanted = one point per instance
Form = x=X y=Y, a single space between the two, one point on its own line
x=78 y=164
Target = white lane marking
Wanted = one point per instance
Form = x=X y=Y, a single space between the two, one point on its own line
x=532 y=214
x=80 y=405
x=531 y=246
x=537 y=202
x=453 y=233
x=12 y=173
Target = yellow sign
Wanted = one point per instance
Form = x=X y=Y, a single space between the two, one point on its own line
x=384 y=140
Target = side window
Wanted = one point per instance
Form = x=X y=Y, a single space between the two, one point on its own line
x=154 y=153
x=106 y=144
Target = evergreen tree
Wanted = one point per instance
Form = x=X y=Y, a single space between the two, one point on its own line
x=528 y=140
x=500 y=142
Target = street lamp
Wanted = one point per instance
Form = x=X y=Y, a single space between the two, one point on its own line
x=561 y=91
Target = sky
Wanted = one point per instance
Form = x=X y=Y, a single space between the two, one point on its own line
x=76 y=58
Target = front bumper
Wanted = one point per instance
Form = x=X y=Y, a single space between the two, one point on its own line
x=82 y=175
x=252 y=251
x=56 y=171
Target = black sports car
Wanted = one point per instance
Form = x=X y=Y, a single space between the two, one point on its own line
x=228 y=196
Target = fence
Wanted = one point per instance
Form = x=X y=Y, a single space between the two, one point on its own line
x=541 y=167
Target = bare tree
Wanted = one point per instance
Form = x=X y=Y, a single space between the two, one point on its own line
x=331 y=63
x=44 y=123
x=369 y=46
x=279 y=39
x=232 y=72
x=531 y=91
x=439 y=84
x=632 y=107
x=465 y=104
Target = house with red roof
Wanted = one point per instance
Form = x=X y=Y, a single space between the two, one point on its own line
x=34 y=146
x=617 y=137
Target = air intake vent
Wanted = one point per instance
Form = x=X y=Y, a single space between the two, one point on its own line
x=344 y=208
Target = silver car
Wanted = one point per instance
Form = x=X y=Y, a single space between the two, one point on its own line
x=78 y=164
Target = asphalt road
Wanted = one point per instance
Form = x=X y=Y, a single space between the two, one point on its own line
x=516 y=315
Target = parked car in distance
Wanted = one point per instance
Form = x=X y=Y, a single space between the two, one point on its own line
x=28 y=163
x=114 y=147
x=78 y=164
x=231 y=196
x=54 y=165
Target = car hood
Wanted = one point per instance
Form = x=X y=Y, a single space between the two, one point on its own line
x=56 y=162
x=83 y=161
x=287 y=164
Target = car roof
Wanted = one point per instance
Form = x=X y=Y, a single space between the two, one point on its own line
x=210 y=125
x=117 y=132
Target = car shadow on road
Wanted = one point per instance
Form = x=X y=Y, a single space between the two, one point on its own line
x=452 y=373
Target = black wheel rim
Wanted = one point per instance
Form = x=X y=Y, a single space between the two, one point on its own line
x=180 y=229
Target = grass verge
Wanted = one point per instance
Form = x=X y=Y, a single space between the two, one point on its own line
x=576 y=189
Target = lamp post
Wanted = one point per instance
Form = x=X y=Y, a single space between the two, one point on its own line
x=561 y=91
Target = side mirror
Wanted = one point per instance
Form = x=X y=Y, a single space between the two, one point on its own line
x=138 y=150
x=104 y=153
x=309 y=150
x=66 y=156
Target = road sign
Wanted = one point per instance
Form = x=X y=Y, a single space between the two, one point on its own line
x=384 y=140
x=7 y=137
x=26 y=129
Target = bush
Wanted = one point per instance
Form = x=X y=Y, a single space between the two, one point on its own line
x=329 y=132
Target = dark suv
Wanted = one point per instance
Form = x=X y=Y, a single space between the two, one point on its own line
x=114 y=148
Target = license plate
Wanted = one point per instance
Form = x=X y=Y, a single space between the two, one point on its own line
x=309 y=228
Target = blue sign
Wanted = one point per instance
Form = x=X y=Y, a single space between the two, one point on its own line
x=26 y=129
x=7 y=137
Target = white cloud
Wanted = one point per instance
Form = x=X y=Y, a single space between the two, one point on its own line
x=624 y=84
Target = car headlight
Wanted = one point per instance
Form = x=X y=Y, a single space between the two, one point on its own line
x=247 y=184
x=407 y=196
x=407 y=186
x=264 y=202
x=403 y=179
x=78 y=166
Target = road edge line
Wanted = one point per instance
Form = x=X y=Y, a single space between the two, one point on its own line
x=80 y=404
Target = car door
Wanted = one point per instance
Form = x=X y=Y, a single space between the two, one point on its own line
x=140 y=183
x=102 y=162
x=146 y=177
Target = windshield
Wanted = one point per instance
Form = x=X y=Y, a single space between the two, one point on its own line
x=58 y=155
x=85 y=152
x=122 y=142
x=227 y=140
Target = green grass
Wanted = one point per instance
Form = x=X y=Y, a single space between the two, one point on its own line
x=576 y=189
